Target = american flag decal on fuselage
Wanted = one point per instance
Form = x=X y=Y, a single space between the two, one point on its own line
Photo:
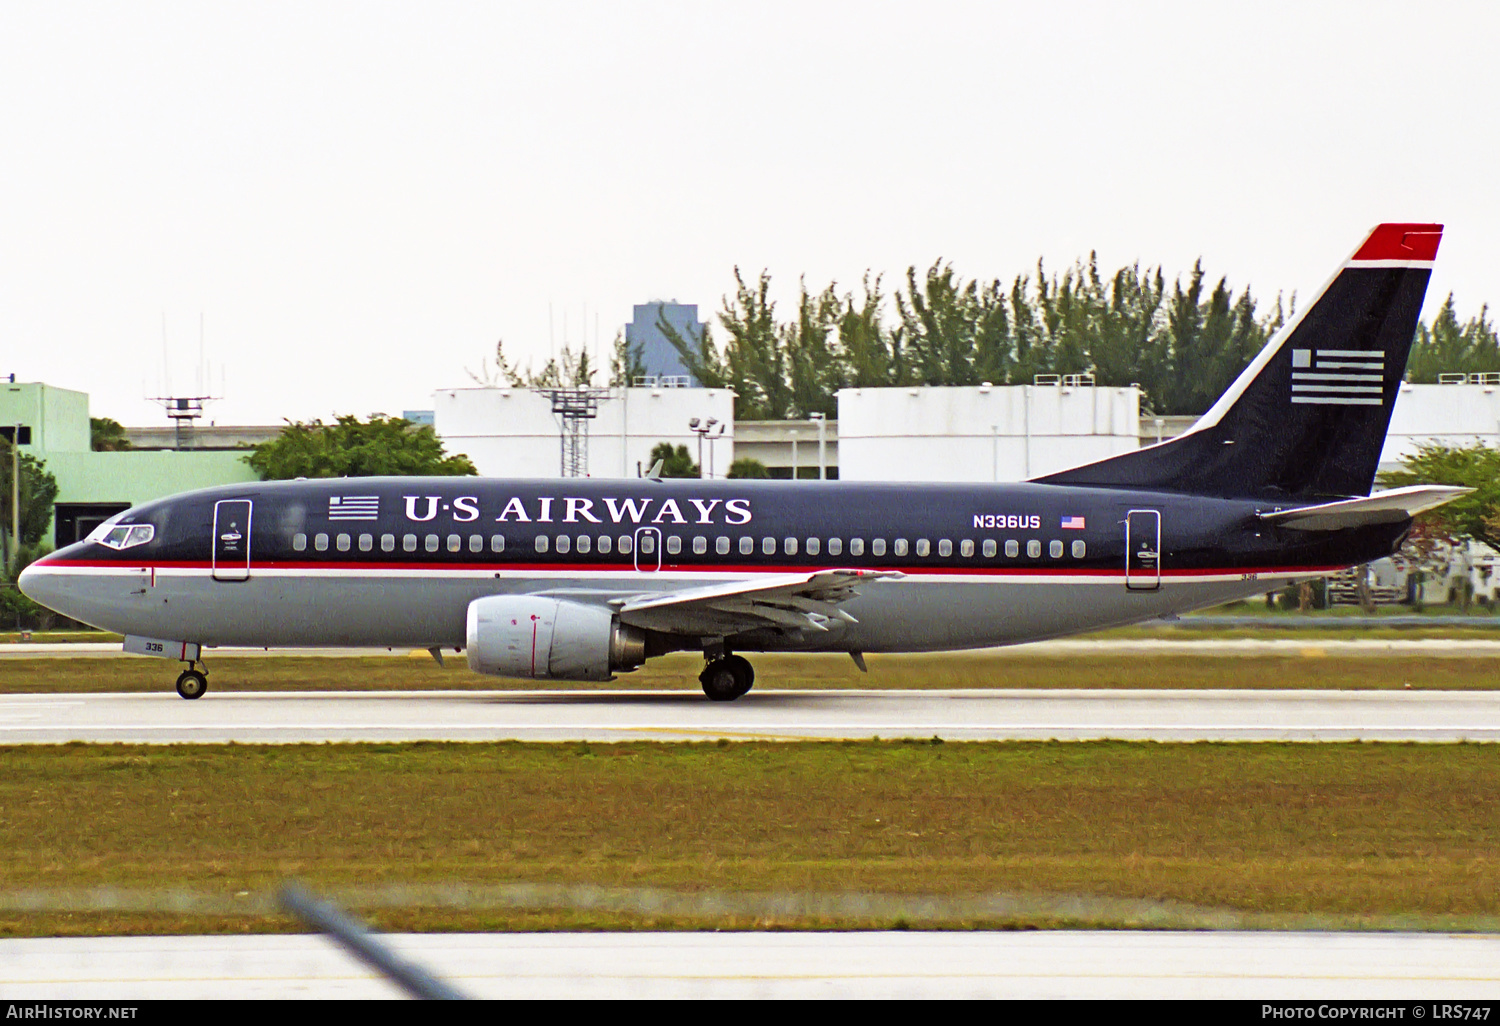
x=354 y=507
x=1338 y=377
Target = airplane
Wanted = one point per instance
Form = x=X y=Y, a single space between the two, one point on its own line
x=579 y=579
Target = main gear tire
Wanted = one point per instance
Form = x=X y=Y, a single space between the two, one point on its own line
x=726 y=679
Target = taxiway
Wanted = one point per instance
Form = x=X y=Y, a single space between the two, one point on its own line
x=1399 y=968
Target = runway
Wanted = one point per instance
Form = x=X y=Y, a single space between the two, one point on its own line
x=1048 y=964
x=785 y=715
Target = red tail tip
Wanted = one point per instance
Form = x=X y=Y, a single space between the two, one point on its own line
x=1401 y=242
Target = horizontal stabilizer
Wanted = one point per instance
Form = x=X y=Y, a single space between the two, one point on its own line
x=1381 y=508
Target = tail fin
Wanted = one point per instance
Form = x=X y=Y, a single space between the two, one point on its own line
x=1307 y=419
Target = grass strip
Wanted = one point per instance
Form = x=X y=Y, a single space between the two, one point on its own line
x=1360 y=832
x=1307 y=667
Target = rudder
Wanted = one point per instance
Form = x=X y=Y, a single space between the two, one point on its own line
x=1307 y=418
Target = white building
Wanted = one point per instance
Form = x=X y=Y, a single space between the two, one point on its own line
x=1458 y=415
x=512 y=432
x=983 y=433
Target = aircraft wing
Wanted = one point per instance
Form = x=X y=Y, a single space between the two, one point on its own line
x=800 y=602
x=1381 y=508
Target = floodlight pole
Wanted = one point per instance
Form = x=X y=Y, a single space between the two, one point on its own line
x=15 y=497
x=822 y=421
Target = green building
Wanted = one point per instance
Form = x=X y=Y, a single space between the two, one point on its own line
x=52 y=425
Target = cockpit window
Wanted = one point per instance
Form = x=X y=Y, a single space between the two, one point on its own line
x=126 y=536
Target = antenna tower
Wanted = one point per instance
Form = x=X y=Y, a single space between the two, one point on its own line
x=574 y=408
x=183 y=410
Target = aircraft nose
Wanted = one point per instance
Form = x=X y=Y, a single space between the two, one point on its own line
x=40 y=583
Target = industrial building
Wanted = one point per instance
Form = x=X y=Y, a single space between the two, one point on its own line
x=523 y=432
x=985 y=432
x=52 y=425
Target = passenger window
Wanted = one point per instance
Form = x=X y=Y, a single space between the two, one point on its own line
x=1055 y=549
x=584 y=544
x=768 y=546
x=366 y=542
x=989 y=548
x=835 y=546
x=813 y=546
x=299 y=542
x=431 y=543
x=1012 y=548
x=626 y=544
x=924 y=547
x=899 y=548
x=476 y=543
x=648 y=544
x=497 y=543
x=789 y=546
x=700 y=545
x=674 y=545
x=409 y=543
x=966 y=547
x=387 y=543
x=721 y=544
x=455 y=543
x=606 y=544
x=541 y=543
x=1079 y=549
x=856 y=546
x=945 y=547
x=877 y=547
x=320 y=542
x=342 y=542
x=564 y=544
x=747 y=546
x=1034 y=548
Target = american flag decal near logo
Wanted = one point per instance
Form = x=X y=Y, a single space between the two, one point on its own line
x=354 y=507
x=1338 y=377
x=1072 y=523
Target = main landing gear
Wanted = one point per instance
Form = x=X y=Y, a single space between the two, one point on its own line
x=193 y=682
x=727 y=677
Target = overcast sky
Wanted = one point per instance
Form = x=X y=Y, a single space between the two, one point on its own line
x=360 y=198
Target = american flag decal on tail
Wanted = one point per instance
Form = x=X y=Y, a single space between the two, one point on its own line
x=1338 y=377
x=354 y=507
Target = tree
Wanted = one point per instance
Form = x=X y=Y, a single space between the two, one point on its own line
x=956 y=332
x=1476 y=515
x=349 y=448
x=106 y=435
x=566 y=370
x=747 y=467
x=38 y=491
x=675 y=461
x=626 y=363
x=1447 y=347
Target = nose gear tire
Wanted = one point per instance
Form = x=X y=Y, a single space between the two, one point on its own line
x=192 y=684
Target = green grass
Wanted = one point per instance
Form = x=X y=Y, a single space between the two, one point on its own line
x=1306 y=666
x=1350 y=830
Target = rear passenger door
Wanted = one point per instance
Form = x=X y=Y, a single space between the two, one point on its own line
x=1143 y=550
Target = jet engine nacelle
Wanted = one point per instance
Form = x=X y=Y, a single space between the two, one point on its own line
x=548 y=639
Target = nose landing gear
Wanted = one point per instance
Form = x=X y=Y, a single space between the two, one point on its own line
x=726 y=678
x=192 y=682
